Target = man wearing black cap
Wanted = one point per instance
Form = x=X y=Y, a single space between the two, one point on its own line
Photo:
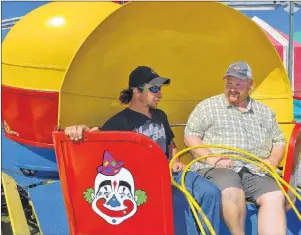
x=142 y=116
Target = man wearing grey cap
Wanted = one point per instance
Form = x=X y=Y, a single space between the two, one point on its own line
x=235 y=119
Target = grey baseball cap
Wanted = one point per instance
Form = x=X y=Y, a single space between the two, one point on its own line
x=240 y=70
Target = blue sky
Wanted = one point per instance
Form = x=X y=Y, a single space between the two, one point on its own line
x=277 y=18
x=14 y=9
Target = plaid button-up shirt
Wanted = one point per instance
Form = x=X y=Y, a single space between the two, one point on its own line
x=254 y=130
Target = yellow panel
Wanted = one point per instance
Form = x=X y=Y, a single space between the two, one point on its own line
x=275 y=92
x=15 y=209
x=275 y=83
x=31 y=78
x=47 y=39
x=193 y=47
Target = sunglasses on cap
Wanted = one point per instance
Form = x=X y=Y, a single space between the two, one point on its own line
x=153 y=89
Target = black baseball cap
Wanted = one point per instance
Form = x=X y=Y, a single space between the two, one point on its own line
x=143 y=74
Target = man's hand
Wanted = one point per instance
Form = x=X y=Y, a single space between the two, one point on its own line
x=220 y=162
x=76 y=132
x=178 y=166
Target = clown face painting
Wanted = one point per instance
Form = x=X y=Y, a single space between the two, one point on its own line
x=114 y=197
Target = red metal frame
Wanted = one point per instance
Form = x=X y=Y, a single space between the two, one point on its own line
x=29 y=116
x=296 y=97
x=78 y=165
x=293 y=152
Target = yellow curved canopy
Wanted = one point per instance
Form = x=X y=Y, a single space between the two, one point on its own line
x=37 y=51
x=192 y=47
x=88 y=56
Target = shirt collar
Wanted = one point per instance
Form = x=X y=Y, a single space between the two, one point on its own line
x=249 y=107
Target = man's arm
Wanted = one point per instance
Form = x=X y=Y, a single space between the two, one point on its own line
x=276 y=155
x=177 y=165
x=199 y=152
x=172 y=150
x=279 y=144
x=198 y=123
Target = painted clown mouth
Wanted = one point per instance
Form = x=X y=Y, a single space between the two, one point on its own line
x=115 y=214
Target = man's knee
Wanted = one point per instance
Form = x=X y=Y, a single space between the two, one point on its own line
x=233 y=195
x=275 y=198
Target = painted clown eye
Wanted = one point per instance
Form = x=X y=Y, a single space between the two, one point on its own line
x=124 y=191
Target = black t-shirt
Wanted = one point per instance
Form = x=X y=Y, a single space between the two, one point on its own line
x=157 y=127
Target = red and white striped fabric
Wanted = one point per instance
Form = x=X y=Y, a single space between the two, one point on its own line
x=280 y=42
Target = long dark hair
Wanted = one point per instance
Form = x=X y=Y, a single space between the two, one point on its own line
x=126 y=96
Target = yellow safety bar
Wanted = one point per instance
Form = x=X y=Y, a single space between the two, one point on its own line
x=194 y=205
x=14 y=205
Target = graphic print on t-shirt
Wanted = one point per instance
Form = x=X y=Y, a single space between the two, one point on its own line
x=155 y=132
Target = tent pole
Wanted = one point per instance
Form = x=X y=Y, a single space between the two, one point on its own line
x=290 y=45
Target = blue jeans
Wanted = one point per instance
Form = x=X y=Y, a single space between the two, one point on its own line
x=206 y=194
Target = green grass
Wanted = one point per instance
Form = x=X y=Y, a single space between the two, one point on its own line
x=6 y=229
x=5 y=219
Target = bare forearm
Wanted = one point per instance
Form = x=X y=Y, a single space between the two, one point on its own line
x=194 y=141
x=277 y=153
x=173 y=150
